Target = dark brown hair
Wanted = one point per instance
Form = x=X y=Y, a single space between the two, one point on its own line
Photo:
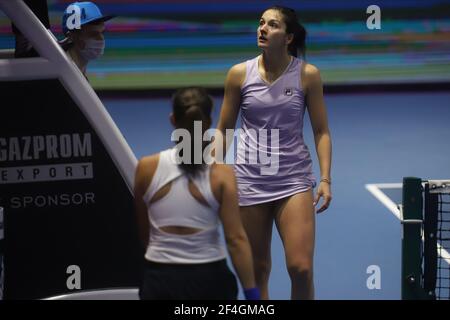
x=189 y=105
x=295 y=27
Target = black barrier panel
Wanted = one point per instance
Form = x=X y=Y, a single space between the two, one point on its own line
x=68 y=213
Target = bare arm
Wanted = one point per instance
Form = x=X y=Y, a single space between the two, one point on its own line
x=237 y=241
x=319 y=122
x=230 y=106
x=141 y=182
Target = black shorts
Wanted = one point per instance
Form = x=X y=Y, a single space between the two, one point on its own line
x=206 y=281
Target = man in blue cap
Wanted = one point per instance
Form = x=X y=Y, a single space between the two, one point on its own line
x=83 y=25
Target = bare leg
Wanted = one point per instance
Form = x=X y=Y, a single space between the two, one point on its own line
x=258 y=221
x=295 y=220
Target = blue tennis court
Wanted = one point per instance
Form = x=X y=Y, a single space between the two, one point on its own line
x=377 y=138
x=379 y=135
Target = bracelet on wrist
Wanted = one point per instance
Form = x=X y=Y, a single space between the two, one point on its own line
x=326 y=180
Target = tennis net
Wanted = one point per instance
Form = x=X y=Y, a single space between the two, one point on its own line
x=425 y=215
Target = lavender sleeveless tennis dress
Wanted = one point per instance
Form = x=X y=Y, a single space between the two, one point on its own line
x=272 y=161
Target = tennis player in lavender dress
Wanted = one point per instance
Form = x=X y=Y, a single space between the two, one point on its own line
x=273 y=165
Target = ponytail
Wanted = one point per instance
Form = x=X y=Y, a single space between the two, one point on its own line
x=298 y=45
x=192 y=108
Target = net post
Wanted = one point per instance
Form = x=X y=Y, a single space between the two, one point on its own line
x=412 y=202
x=430 y=256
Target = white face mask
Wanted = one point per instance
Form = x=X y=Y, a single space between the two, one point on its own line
x=92 y=49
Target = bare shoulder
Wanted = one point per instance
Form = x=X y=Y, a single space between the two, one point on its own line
x=145 y=170
x=223 y=170
x=310 y=72
x=310 y=75
x=147 y=162
x=236 y=74
x=238 y=69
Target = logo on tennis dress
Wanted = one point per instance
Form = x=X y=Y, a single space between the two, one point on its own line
x=288 y=91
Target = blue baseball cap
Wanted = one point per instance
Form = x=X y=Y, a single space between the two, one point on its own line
x=89 y=13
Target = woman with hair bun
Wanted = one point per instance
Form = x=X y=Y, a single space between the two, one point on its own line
x=180 y=204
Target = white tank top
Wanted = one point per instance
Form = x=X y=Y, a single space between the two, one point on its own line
x=179 y=208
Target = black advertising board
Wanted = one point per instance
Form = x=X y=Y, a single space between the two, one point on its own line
x=69 y=222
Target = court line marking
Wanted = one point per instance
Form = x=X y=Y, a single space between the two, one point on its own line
x=375 y=190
